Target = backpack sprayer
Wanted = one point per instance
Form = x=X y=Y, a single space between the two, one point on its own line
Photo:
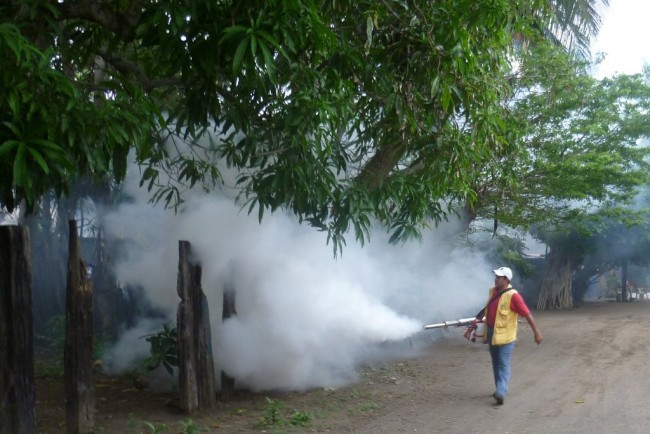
x=476 y=329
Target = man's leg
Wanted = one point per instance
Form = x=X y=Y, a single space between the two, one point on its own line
x=501 y=356
x=494 y=355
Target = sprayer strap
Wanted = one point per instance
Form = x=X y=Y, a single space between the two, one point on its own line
x=494 y=297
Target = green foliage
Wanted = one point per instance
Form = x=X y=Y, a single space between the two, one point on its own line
x=577 y=143
x=189 y=427
x=274 y=417
x=614 y=242
x=369 y=407
x=574 y=23
x=301 y=418
x=273 y=413
x=599 y=243
x=155 y=429
x=345 y=112
x=510 y=250
x=163 y=350
x=50 y=131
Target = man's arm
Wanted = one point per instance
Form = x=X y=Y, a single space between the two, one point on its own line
x=518 y=305
x=533 y=325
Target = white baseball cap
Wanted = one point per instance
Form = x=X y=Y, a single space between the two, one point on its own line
x=504 y=271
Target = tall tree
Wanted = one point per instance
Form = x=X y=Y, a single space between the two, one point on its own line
x=577 y=143
x=340 y=111
x=574 y=23
x=607 y=240
x=619 y=242
x=577 y=151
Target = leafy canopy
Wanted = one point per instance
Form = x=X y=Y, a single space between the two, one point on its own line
x=579 y=143
x=342 y=112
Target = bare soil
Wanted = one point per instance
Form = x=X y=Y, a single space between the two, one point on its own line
x=589 y=375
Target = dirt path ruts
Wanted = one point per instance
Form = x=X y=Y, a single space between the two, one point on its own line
x=589 y=375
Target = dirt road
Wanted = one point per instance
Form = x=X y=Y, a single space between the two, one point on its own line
x=590 y=375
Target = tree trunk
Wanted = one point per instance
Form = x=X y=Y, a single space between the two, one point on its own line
x=195 y=362
x=555 y=291
x=79 y=384
x=229 y=309
x=17 y=401
x=624 y=292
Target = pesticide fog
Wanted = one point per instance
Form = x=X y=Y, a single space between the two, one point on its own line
x=304 y=318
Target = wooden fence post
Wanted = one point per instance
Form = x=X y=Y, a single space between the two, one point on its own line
x=79 y=382
x=17 y=401
x=195 y=361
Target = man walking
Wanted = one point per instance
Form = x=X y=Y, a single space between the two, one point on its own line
x=501 y=312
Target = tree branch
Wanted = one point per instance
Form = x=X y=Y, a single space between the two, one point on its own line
x=131 y=69
x=380 y=165
x=123 y=24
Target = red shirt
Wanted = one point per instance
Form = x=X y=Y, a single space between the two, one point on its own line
x=517 y=304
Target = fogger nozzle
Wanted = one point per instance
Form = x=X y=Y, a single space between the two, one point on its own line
x=452 y=323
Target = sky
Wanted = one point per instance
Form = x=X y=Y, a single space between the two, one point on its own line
x=624 y=38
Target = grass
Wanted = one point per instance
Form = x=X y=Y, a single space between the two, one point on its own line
x=369 y=407
x=187 y=427
x=318 y=409
x=155 y=429
x=274 y=416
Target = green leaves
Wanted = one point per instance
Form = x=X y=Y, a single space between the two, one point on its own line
x=577 y=142
x=248 y=40
x=347 y=113
x=31 y=160
x=163 y=349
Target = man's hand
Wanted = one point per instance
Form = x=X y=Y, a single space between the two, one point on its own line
x=538 y=334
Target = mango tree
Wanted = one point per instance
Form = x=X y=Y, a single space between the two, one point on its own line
x=343 y=112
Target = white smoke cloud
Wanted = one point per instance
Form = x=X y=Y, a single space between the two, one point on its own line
x=130 y=349
x=304 y=318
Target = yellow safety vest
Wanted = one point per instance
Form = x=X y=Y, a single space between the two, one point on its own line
x=505 y=323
